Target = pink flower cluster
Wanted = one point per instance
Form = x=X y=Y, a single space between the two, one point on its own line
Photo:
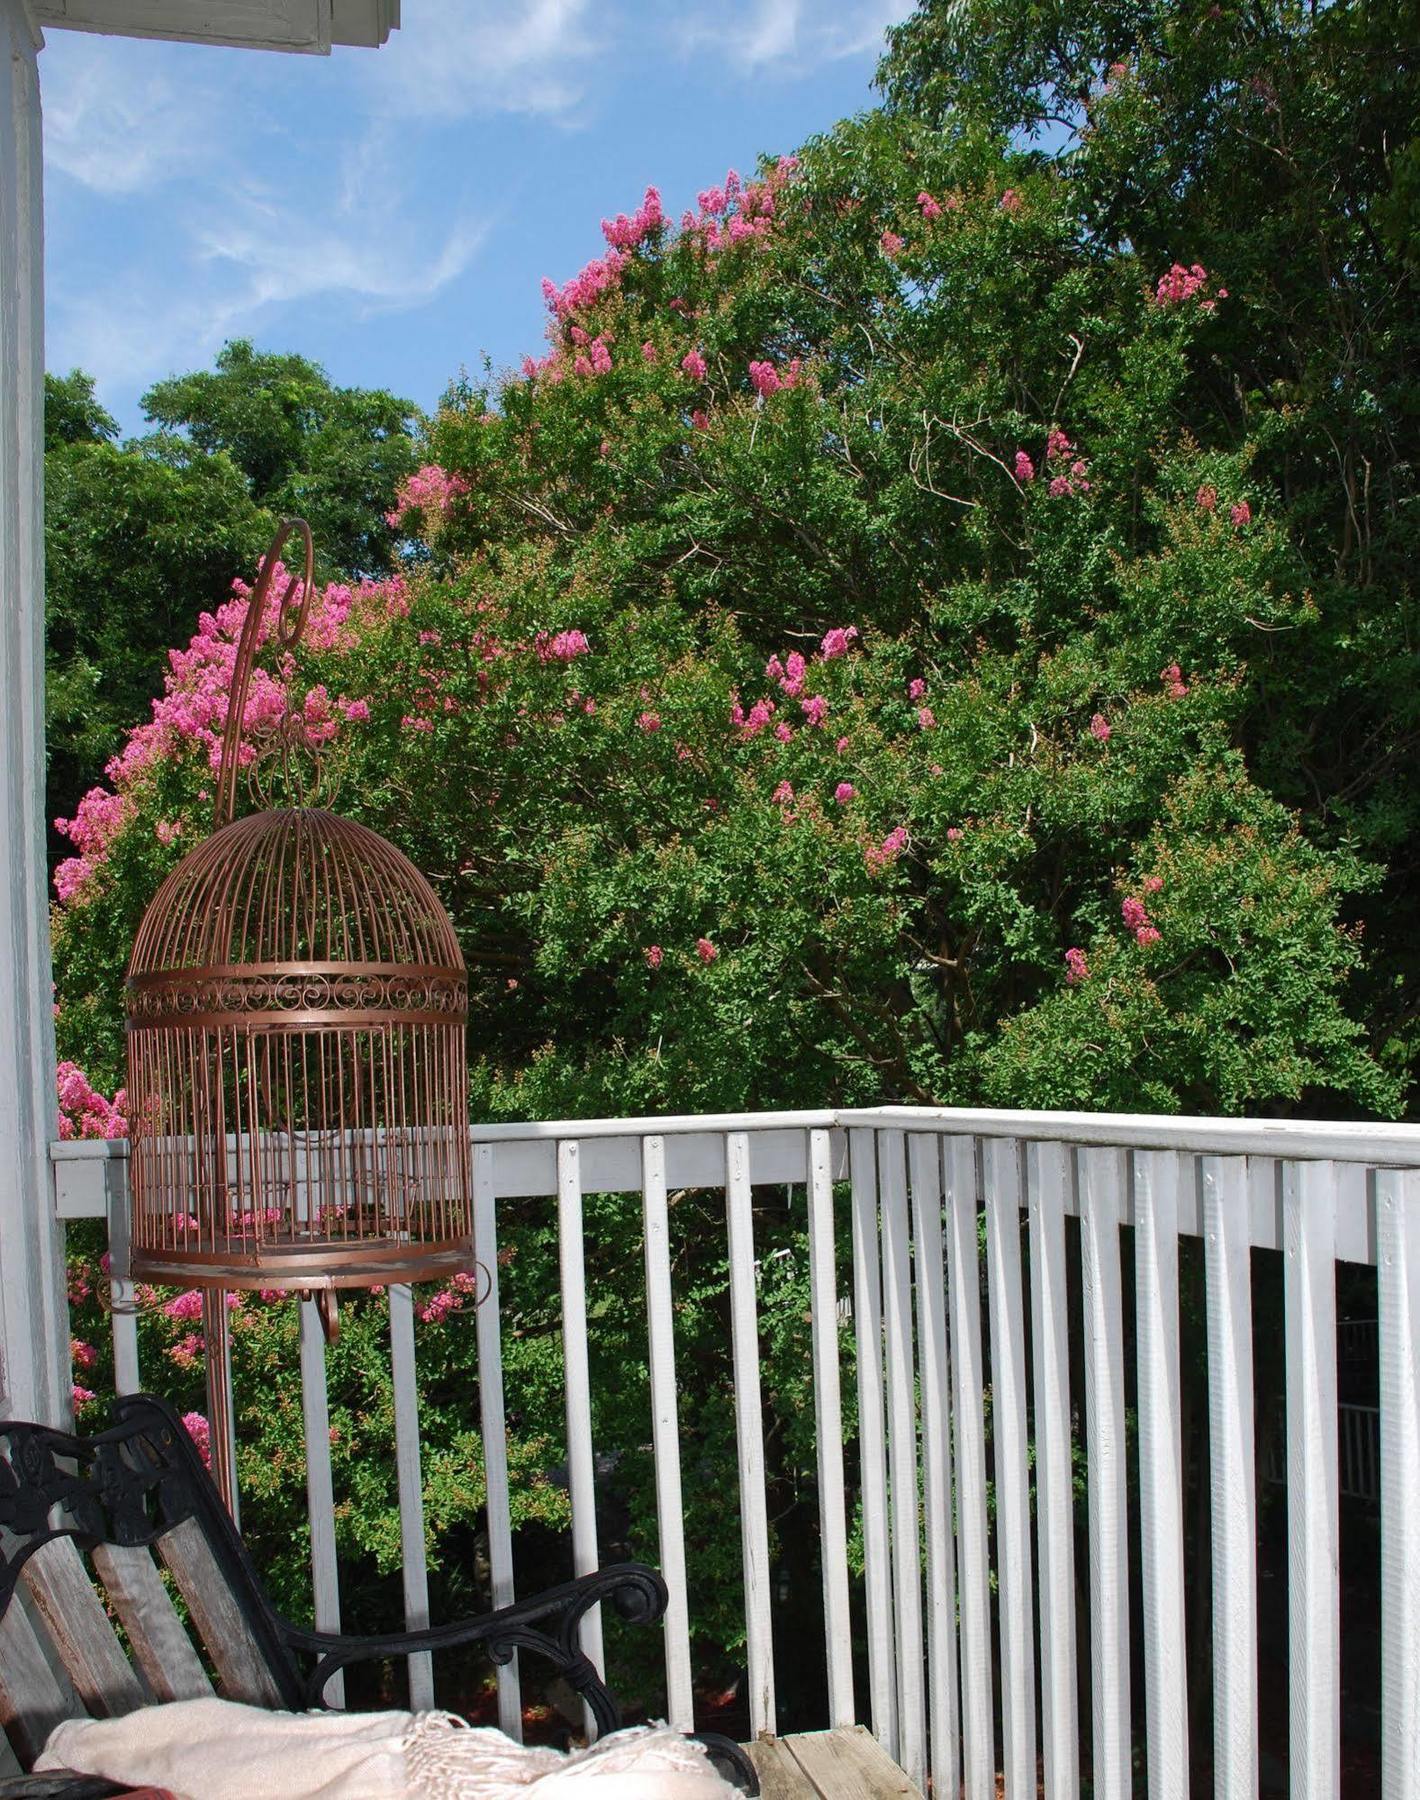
x=1179 y=284
x=1100 y=729
x=1070 y=471
x=1136 y=917
x=765 y=379
x=790 y=673
x=450 y=1299
x=1174 y=684
x=882 y=856
x=593 y=357
x=565 y=647
x=815 y=709
x=83 y=1112
x=1025 y=468
x=693 y=364
x=930 y=208
x=431 y=492
x=1077 y=969
x=200 y=1432
x=890 y=244
x=1011 y=201
x=837 y=641
x=625 y=234
x=601 y=275
x=844 y=792
x=705 y=950
x=654 y=956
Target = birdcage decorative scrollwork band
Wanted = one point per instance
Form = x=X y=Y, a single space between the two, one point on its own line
x=306 y=997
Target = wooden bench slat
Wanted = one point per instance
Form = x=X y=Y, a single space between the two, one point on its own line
x=60 y=1586
x=241 y=1668
x=32 y=1702
x=780 y=1777
x=163 y=1650
x=851 y=1765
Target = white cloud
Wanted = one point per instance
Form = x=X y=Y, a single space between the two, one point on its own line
x=792 y=37
x=451 y=59
x=118 y=125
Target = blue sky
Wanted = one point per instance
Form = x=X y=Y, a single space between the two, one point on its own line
x=391 y=213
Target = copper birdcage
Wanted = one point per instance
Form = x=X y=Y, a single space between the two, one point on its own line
x=296 y=1009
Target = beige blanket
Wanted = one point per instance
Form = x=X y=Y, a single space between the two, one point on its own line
x=218 y=1750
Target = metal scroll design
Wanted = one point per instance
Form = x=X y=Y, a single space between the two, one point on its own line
x=289 y=733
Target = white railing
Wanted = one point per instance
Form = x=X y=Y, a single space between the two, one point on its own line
x=1042 y=1223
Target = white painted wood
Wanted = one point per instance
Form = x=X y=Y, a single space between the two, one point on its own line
x=34 y=1320
x=665 y=1433
x=924 y=1157
x=123 y=1306
x=968 y=1390
x=241 y=24
x=1015 y=1603
x=1102 y=1204
x=581 y=1476
x=320 y=1486
x=872 y=1436
x=488 y=1328
x=902 y=1458
x=414 y=1568
x=749 y=1435
x=1157 y=1178
x=1233 y=1483
x=1049 y=1174
x=1337 y=1141
x=828 y=1423
x=1398 y=1282
x=1313 y=1501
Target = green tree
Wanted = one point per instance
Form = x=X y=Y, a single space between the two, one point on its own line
x=72 y=414
x=333 y=455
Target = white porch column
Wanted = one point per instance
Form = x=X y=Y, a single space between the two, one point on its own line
x=34 y=1334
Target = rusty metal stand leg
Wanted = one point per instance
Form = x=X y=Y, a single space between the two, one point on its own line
x=221 y=1425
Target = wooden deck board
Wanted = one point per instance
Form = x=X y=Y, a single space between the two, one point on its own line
x=828 y=1765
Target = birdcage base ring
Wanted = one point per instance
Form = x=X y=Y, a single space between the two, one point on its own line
x=306 y=1267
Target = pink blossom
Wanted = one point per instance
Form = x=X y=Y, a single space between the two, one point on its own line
x=929 y=207
x=1241 y=514
x=815 y=709
x=792 y=677
x=841 y=745
x=1174 y=684
x=1152 y=883
x=1178 y=284
x=700 y=421
x=954 y=834
x=926 y=719
x=85 y=1113
x=1100 y=728
x=881 y=856
x=431 y=492
x=1077 y=969
x=757 y=718
x=186 y=1307
x=625 y=234
x=705 y=950
x=1134 y=913
x=1025 y=468
x=200 y=1432
x=599 y=277
x=783 y=731
x=764 y=378
x=81 y=1395
x=188 y=1351
x=916 y=688
x=1011 y=201
x=1060 y=485
x=649 y=721
x=84 y=1355
x=890 y=243
x=355 y=711
x=836 y=641
x=844 y=792
x=566 y=646
x=1206 y=499
x=694 y=365
x=783 y=794
x=1146 y=935
x=1057 y=444
x=654 y=956
x=648 y=352
x=168 y=831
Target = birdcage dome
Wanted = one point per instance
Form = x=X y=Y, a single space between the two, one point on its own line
x=296 y=1013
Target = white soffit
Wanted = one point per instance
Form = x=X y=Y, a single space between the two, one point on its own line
x=311 y=26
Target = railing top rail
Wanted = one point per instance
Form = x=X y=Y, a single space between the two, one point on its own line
x=1374 y=1142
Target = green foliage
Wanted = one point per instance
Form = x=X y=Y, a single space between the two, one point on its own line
x=72 y=414
x=333 y=456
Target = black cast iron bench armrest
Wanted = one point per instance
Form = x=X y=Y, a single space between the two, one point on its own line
x=548 y=1625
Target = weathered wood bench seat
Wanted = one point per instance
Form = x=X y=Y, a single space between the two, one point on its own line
x=88 y=1524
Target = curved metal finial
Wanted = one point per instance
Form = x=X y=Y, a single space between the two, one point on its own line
x=290 y=623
